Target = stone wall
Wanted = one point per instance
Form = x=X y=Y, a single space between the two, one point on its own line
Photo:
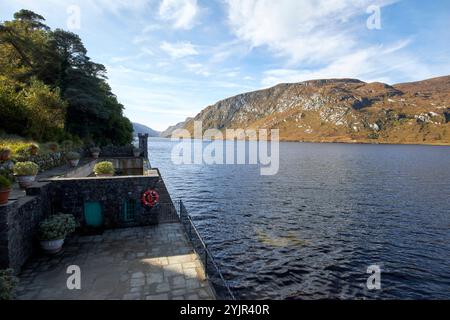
x=116 y=151
x=19 y=221
x=70 y=195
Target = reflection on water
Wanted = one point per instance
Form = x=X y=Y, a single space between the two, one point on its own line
x=333 y=210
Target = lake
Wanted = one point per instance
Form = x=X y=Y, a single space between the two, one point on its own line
x=333 y=210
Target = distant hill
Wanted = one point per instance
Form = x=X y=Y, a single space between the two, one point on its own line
x=168 y=132
x=340 y=110
x=140 y=128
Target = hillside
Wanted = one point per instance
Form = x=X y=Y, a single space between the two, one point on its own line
x=340 y=110
x=140 y=128
x=168 y=132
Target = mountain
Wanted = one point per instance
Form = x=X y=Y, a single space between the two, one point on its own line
x=340 y=110
x=140 y=128
x=168 y=132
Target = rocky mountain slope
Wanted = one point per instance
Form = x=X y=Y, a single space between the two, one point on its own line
x=340 y=110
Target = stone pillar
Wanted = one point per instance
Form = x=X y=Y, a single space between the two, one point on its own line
x=143 y=144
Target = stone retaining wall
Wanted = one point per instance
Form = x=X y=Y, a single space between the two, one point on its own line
x=19 y=221
x=70 y=195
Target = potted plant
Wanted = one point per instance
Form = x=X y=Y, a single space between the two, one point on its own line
x=136 y=152
x=53 y=146
x=5 y=153
x=7 y=284
x=104 y=169
x=5 y=189
x=95 y=152
x=73 y=158
x=34 y=149
x=54 y=230
x=26 y=173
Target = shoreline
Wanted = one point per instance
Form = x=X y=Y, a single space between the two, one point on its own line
x=431 y=144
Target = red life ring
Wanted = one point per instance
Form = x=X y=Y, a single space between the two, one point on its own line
x=150 y=198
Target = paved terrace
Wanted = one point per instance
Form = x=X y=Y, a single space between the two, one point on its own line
x=144 y=263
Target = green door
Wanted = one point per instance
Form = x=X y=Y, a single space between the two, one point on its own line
x=93 y=214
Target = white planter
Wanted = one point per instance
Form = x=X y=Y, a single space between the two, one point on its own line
x=104 y=175
x=52 y=246
x=95 y=155
x=25 y=181
x=74 y=163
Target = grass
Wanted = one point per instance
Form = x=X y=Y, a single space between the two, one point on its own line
x=20 y=147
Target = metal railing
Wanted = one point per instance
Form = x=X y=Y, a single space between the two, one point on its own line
x=212 y=270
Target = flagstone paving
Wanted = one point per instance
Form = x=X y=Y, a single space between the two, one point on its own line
x=144 y=263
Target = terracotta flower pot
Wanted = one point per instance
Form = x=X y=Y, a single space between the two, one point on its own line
x=5 y=155
x=4 y=196
x=95 y=155
x=52 y=246
x=34 y=151
x=25 y=181
x=74 y=163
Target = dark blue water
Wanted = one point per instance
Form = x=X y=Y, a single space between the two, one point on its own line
x=312 y=230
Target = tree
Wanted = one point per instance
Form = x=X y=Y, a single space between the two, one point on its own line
x=46 y=111
x=49 y=84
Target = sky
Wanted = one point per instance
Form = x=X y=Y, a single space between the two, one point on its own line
x=169 y=59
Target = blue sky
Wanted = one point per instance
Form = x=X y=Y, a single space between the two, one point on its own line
x=169 y=59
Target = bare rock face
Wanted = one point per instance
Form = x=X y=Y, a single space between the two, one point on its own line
x=340 y=110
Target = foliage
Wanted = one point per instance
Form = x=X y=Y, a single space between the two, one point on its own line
x=73 y=156
x=27 y=168
x=104 y=167
x=5 y=183
x=95 y=150
x=7 y=283
x=57 y=227
x=50 y=90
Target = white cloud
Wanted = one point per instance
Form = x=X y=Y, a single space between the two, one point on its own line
x=181 y=13
x=179 y=49
x=376 y=63
x=198 y=68
x=314 y=31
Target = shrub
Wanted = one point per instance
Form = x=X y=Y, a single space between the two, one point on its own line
x=27 y=168
x=57 y=227
x=7 y=283
x=104 y=167
x=73 y=156
x=5 y=183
